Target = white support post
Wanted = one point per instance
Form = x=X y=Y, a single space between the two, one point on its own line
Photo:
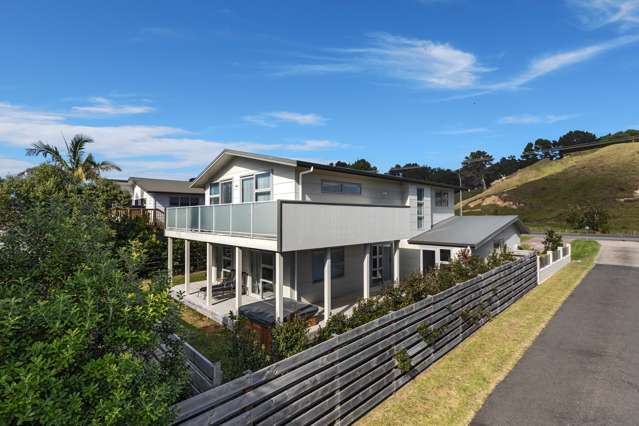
x=327 y=285
x=550 y=258
x=279 y=287
x=538 y=267
x=214 y=263
x=396 y=262
x=366 y=271
x=249 y=272
x=209 y=272
x=238 y=279
x=296 y=278
x=187 y=266
x=169 y=265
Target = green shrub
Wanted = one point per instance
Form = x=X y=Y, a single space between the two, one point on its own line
x=552 y=241
x=588 y=217
x=289 y=338
x=242 y=350
x=403 y=361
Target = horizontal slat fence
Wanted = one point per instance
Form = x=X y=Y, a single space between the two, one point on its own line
x=338 y=381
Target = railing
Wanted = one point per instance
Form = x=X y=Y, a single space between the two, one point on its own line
x=153 y=217
x=252 y=220
x=552 y=261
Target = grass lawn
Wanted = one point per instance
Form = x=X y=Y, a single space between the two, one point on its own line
x=195 y=276
x=454 y=388
x=203 y=334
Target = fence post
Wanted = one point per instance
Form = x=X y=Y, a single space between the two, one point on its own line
x=550 y=256
x=538 y=267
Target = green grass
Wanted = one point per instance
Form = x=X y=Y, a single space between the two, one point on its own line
x=203 y=334
x=545 y=191
x=195 y=276
x=455 y=387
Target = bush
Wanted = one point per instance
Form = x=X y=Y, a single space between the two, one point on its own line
x=289 y=338
x=79 y=330
x=552 y=241
x=242 y=350
x=588 y=217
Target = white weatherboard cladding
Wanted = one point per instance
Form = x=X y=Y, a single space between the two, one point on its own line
x=308 y=226
x=510 y=235
x=374 y=191
x=411 y=200
x=442 y=213
x=283 y=177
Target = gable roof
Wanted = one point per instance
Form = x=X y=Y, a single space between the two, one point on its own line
x=165 y=186
x=227 y=154
x=467 y=231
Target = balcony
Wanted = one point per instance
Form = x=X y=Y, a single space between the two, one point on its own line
x=287 y=225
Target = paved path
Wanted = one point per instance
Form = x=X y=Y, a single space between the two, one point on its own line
x=584 y=366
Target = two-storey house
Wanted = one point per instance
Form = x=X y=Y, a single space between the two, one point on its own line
x=279 y=228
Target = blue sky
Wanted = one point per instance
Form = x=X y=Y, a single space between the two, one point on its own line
x=164 y=86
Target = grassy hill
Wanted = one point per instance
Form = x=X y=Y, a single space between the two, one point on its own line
x=543 y=193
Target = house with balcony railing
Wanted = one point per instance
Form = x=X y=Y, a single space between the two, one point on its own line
x=283 y=233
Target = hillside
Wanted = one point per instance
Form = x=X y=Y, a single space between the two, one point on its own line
x=543 y=193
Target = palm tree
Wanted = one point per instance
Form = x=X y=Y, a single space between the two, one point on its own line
x=76 y=163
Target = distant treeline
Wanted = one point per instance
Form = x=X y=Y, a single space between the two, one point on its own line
x=479 y=168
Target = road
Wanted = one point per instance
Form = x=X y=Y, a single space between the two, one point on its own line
x=584 y=366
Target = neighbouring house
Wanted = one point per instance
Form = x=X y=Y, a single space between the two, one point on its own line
x=162 y=193
x=287 y=231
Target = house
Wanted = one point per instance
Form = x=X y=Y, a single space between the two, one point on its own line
x=291 y=230
x=158 y=194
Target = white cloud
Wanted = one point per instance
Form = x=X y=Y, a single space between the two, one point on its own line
x=462 y=131
x=272 y=119
x=139 y=149
x=554 y=62
x=101 y=106
x=597 y=13
x=319 y=69
x=535 y=118
x=11 y=166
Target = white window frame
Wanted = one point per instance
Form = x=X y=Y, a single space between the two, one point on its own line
x=377 y=253
x=222 y=182
x=450 y=256
x=229 y=258
x=242 y=179
x=439 y=199
x=263 y=266
x=341 y=187
x=212 y=196
x=268 y=190
x=420 y=203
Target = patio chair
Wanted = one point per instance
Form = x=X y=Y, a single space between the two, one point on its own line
x=226 y=285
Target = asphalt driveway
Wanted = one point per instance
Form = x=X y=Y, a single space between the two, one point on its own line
x=584 y=366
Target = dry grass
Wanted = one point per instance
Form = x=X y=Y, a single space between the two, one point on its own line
x=454 y=388
x=545 y=191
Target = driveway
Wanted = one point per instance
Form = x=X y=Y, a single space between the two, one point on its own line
x=584 y=366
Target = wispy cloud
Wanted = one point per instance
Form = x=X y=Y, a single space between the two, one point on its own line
x=316 y=69
x=139 y=149
x=12 y=166
x=272 y=119
x=597 y=13
x=462 y=131
x=554 y=62
x=535 y=118
x=100 y=106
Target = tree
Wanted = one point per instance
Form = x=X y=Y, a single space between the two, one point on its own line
x=543 y=148
x=529 y=153
x=361 y=164
x=79 y=329
x=476 y=164
x=576 y=137
x=82 y=167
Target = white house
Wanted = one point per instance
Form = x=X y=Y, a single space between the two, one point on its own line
x=162 y=193
x=319 y=234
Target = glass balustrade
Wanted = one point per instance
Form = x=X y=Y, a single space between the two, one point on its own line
x=253 y=220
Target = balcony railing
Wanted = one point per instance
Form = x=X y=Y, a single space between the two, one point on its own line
x=252 y=220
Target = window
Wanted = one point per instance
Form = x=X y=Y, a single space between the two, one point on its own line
x=227 y=261
x=441 y=198
x=263 y=186
x=444 y=255
x=215 y=193
x=420 y=208
x=247 y=189
x=337 y=263
x=183 y=201
x=140 y=202
x=499 y=245
x=226 y=189
x=341 y=187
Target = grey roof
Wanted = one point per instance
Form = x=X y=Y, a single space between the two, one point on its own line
x=223 y=156
x=123 y=184
x=467 y=231
x=166 y=186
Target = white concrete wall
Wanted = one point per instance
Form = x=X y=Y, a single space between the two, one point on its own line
x=510 y=236
x=283 y=178
x=442 y=213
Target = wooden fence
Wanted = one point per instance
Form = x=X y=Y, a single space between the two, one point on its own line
x=154 y=217
x=339 y=380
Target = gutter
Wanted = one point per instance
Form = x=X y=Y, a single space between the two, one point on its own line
x=305 y=172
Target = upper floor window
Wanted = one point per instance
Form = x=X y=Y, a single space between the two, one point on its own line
x=183 y=200
x=441 y=199
x=257 y=187
x=226 y=192
x=214 y=193
x=341 y=187
x=420 y=208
